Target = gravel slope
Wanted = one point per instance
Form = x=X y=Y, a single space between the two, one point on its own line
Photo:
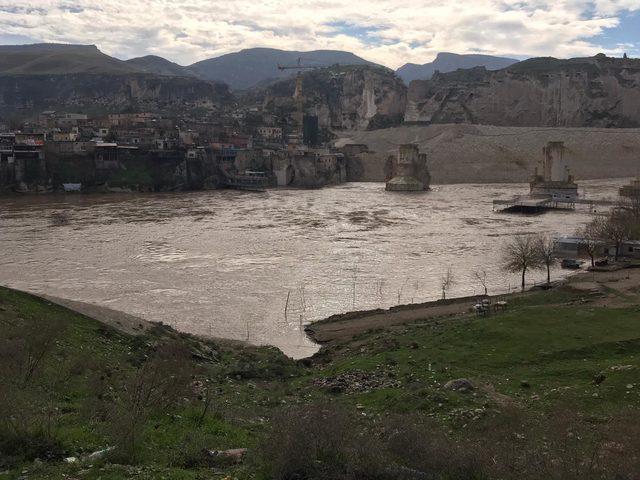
x=487 y=154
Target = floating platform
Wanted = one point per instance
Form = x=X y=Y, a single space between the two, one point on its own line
x=524 y=204
x=534 y=204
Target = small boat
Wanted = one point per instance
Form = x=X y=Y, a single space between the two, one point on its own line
x=72 y=187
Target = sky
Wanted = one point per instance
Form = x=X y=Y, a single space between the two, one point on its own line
x=390 y=32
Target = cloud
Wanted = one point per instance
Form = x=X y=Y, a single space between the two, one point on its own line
x=391 y=32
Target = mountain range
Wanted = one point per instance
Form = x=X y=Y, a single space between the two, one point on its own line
x=596 y=91
x=254 y=66
x=450 y=62
x=240 y=70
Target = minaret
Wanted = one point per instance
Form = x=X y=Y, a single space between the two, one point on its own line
x=299 y=101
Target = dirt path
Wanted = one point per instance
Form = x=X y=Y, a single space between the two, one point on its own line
x=342 y=327
x=614 y=289
x=618 y=288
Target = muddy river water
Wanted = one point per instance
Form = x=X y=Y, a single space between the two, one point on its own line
x=258 y=266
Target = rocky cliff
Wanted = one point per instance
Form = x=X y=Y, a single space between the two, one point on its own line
x=344 y=98
x=95 y=93
x=581 y=92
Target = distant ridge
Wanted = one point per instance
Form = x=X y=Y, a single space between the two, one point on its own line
x=47 y=58
x=240 y=70
x=251 y=67
x=159 y=66
x=448 y=62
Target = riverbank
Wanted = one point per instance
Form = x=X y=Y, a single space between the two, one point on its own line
x=462 y=378
x=612 y=289
x=187 y=260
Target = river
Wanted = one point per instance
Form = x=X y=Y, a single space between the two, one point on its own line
x=257 y=266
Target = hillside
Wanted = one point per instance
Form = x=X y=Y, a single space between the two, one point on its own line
x=540 y=92
x=485 y=154
x=450 y=62
x=344 y=98
x=251 y=67
x=159 y=66
x=491 y=398
x=59 y=59
x=97 y=94
x=55 y=76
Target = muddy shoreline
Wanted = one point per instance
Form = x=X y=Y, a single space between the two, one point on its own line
x=611 y=287
x=343 y=327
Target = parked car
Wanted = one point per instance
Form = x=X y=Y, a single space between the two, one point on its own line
x=571 y=264
x=602 y=263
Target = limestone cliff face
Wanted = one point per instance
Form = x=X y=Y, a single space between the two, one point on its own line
x=582 y=92
x=345 y=98
x=88 y=92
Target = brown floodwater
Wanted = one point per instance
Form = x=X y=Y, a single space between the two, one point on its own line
x=258 y=266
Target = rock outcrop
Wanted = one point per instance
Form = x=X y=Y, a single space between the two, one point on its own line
x=344 y=98
x=107 y=92
x=581 y=92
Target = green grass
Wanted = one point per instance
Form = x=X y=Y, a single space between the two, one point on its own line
x=551 y=340
x=557 y=349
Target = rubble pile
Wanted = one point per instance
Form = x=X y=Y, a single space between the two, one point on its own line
x=358 y=381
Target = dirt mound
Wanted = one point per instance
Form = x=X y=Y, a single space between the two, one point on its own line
x=485 y=154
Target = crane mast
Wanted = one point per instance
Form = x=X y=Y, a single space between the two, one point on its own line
x=298 y=96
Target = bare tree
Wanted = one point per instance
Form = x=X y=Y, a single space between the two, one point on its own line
x=481 y=277
x=545 y=247
x=446 y=282
x=631 y=205
x=589 y=242
x=617 y=228
x=520 y=255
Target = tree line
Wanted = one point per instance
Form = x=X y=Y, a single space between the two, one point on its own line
x=524 y=253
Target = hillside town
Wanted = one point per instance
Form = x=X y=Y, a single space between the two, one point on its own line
x=150 y=152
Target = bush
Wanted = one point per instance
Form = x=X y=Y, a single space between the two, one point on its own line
x=320 y=441
x=157 y=387
x=27 y=418
x=16 y=448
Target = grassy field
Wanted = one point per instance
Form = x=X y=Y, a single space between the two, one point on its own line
x=64 y=375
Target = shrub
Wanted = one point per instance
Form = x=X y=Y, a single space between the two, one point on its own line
x=158 y=386
x=27 y=418
x=18 y=447
x=308 y=442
